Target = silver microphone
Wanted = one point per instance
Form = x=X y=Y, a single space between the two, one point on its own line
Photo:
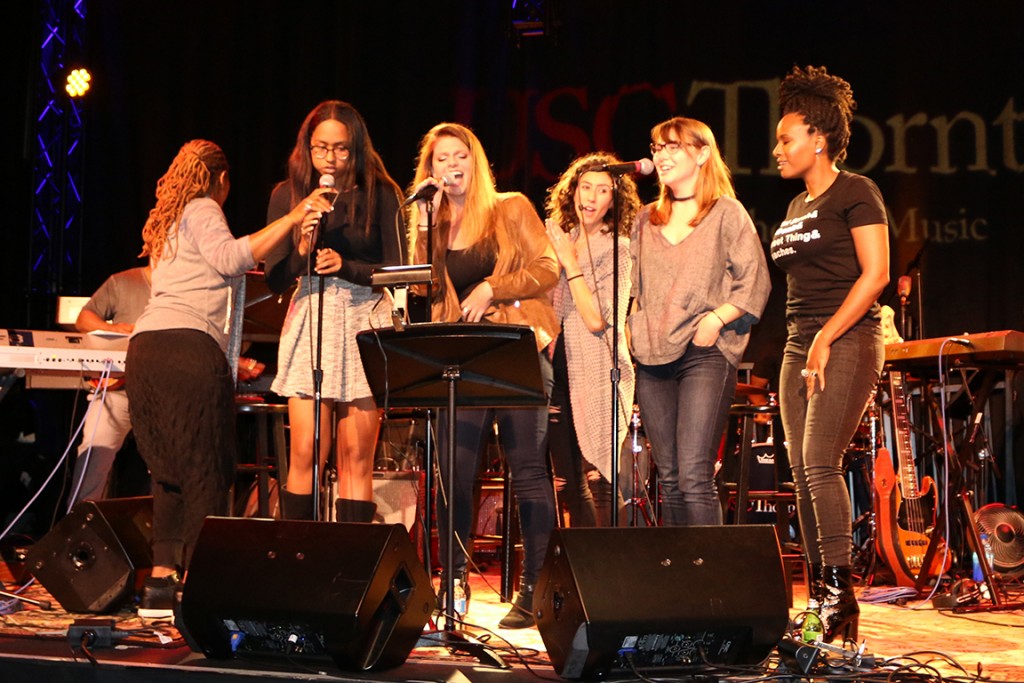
x=327 y=182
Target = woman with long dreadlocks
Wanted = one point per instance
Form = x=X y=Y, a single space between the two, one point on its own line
x=183 y=351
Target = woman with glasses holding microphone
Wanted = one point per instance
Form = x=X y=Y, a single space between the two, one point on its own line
x=700 y=281
x=359 y=235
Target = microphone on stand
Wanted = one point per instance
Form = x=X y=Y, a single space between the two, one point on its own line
x=427 y=192
x=903 y=285
x=641 y=166
x=903 y=289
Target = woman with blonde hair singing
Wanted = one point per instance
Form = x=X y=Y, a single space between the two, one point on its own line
x=493 y=262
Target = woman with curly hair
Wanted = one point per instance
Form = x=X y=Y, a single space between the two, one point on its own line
x=360 y=235
x=700 y=281
x=579 y=226
x=834 y=247
x=183 y=351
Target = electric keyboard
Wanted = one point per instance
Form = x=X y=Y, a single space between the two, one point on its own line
x=62 y=353
x=1005 y=347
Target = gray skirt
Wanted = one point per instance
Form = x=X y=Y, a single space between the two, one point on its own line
x=348 y=309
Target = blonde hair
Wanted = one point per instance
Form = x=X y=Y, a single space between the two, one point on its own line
x=481 y=198
x=193 y=173
x=713 y=178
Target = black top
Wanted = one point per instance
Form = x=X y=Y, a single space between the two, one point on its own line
x=361 y=252
x=815 y=247
x=468 y=267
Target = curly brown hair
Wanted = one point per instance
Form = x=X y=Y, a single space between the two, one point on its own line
x=826 y=103
x=561 y=201
x=193 y=173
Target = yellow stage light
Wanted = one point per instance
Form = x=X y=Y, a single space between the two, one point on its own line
x=78 y=82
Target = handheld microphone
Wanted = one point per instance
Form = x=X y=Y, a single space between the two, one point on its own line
x=327 y=182
x=641 y=166
x=426 y=192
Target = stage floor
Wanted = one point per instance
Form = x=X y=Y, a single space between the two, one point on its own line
x=34 y=646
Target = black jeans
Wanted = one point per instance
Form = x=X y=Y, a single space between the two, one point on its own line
x=524 y=439
x=819 y=430
x=684 y=405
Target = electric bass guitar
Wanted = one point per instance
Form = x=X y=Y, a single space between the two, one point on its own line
x=905 y=510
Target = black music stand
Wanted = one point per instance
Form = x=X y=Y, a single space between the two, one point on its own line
x=452 y=365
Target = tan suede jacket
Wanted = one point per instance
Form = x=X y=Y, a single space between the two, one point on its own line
x=524 y=275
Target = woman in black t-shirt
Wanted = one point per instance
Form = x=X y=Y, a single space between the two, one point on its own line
x=834 y=247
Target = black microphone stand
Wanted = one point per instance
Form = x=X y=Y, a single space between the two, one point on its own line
x=614 y=346
x=318 y=372
x=451 y=638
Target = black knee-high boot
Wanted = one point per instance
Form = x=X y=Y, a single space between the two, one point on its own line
x=296 y=505
x=349 y=510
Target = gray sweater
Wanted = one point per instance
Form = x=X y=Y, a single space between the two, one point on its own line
x=721 y=261
x=196 y=279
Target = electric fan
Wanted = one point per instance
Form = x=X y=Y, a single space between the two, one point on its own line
x=1005 y=528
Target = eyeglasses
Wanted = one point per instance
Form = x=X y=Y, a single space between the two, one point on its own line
x=670 y=147
x=321 y=151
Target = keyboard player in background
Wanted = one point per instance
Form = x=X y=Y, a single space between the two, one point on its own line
x=114 y=307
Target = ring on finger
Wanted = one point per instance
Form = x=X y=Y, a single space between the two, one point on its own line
x=805 y=373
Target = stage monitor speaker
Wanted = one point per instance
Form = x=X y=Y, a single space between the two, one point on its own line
x=354 y=593
x=660 y=598
x=95 y=558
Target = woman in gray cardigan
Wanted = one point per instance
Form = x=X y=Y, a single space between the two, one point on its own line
x=700 y=281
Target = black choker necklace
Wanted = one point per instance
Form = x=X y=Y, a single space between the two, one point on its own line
x=681 y=199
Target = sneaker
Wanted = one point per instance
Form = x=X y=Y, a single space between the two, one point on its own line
x=159 y=596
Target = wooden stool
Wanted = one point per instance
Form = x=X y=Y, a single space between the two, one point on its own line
x=781 y=494
x=269 y=456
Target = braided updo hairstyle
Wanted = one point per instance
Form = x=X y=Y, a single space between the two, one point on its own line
x=192 y=174
x=826 y=103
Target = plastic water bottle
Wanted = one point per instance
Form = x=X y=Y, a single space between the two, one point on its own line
x=459 y=598
x=986 y=545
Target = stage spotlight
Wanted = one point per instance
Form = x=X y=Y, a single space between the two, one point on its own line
x=78 y=82
x=530 y=18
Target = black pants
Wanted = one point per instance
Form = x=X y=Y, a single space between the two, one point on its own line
x=182 y=402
